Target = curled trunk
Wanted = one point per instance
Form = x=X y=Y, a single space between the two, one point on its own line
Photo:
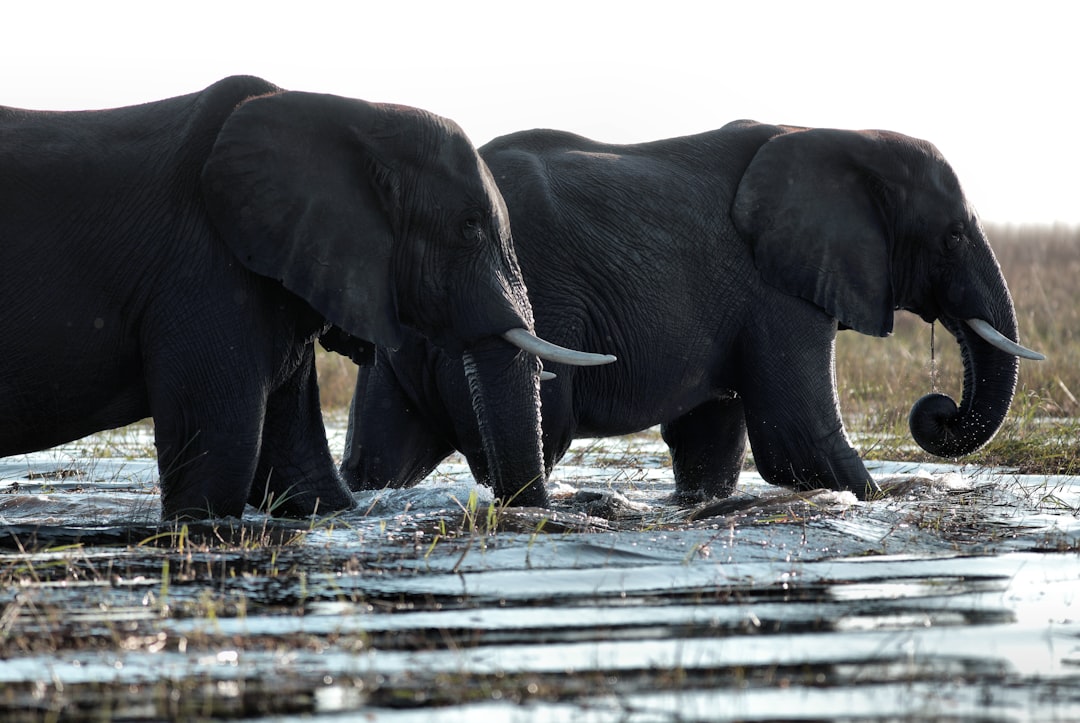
x=947 y=430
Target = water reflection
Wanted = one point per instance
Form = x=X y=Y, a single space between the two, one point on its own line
x=953 y=597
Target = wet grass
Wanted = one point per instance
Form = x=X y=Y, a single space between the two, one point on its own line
x=127 y=594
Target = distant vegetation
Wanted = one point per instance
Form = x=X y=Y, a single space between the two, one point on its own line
x=879 y=379
x=337 y=377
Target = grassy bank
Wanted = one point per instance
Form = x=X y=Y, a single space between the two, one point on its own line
x=879 y=379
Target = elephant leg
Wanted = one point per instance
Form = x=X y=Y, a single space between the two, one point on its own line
x=390 y=442
x=708 y=447
x=207 y=439
x=296 y=475
x=789 y=395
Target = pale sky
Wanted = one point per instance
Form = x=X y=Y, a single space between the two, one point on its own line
x=993 y=85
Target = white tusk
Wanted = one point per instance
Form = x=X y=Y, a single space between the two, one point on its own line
x=999 y=340
x=553 y=352
x=547 y=376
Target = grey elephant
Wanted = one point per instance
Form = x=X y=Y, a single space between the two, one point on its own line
x=178 y=260
x=718 y=268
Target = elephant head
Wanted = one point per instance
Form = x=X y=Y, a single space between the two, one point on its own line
x=381 y=217
x=864 y=223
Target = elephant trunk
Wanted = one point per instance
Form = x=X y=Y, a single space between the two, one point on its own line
x=990 y=373
x=505 y=391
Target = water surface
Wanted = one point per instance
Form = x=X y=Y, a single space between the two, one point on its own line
x=955 y=597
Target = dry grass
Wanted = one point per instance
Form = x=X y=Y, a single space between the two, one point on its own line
x=337 y=378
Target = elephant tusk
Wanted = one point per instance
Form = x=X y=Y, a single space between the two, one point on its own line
x=553 y=352
x=546 y=376
x=995 y=338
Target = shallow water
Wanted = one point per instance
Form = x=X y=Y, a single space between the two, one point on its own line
x=955 y=597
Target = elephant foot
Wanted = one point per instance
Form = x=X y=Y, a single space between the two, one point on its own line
x=604 y=504
x=689 y=496
x=708 y=449
x=864 y=488
x=531 y=495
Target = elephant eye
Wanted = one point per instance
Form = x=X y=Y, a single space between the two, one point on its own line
x=471 y=228
x=954 y=237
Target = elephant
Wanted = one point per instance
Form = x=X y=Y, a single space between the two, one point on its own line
x=718 y=267
x=178 y=260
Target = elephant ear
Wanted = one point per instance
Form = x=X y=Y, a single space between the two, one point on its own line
x=298 y=194
x=812 y=205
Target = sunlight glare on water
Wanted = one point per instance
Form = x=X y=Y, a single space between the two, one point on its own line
x=612 y=604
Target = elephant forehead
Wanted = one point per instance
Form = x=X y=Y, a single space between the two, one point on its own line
x=493 y=196
x=467 y=185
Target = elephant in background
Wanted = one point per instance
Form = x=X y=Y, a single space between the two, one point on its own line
x=718 y=268
x=178 y=260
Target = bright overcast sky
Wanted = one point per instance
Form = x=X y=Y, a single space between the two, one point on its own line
x=993 y=85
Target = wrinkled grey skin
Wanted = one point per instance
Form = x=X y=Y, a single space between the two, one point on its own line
x=179 y=259
x=718 y=268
